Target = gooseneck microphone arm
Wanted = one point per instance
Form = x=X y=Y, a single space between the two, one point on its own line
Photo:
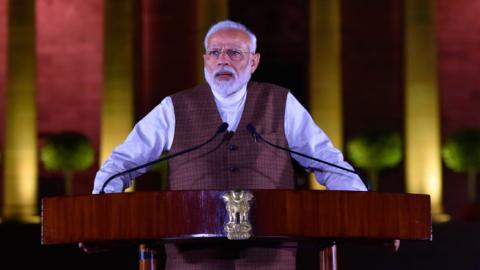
x=256 y=136
x=220 y=129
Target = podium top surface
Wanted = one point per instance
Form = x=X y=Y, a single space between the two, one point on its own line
x=284 y=214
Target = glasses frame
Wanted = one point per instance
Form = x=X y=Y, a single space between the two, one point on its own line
x=228 y=52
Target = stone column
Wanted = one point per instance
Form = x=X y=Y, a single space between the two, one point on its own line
x=20 y=157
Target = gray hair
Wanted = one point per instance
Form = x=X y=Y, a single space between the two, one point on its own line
x=227 y=24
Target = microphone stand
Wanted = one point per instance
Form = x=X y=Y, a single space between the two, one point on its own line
x=256 y=136
x=220 y=129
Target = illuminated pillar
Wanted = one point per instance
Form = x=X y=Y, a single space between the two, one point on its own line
x=117 y=103
x=422 y=126
x=325 y=81
x=20 y=174
x=208 y=13
x=3 y=64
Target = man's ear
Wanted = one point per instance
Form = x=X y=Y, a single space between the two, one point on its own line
x=255 y=62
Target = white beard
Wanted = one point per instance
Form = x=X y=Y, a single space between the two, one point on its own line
x=227 y=88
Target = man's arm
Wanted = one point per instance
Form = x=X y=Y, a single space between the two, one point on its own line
x=304 y=136
x=146 y=142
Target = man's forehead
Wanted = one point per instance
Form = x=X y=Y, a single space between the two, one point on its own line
x=229 y=37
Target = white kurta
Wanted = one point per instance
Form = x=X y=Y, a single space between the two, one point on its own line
x=155 y=132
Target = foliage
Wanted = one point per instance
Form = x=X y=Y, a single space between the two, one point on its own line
x=67 y=151
x=461 y=151
x=375 y=149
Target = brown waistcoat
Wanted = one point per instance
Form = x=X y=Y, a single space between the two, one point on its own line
x=232 y=160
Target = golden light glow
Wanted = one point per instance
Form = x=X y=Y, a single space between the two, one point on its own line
x=325 y=78
x=208 y=13
x=20 y=173
x=422 y=126
x=117 y=104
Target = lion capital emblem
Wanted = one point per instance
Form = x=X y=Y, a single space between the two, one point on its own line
x=238 y=226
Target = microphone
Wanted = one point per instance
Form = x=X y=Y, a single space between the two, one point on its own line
x=256 y=135
x=220 y=129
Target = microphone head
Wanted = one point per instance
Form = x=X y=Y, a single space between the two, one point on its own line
x=251 y=129
x=222 y=127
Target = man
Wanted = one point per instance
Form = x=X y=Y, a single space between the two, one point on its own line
x=232 y=161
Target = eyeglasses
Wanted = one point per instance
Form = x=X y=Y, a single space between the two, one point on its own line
x=233 y=54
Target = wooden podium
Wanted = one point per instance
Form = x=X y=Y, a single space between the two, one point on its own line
x=283 y=215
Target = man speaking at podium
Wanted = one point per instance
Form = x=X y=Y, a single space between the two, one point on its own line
x=235 y=159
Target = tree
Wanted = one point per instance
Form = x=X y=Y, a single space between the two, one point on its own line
x=375 y=150
x=461 y=153
x=67 y=152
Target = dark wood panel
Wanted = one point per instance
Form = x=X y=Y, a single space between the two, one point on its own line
x=282 y=214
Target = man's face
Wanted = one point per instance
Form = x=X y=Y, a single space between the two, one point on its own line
x=228 y=61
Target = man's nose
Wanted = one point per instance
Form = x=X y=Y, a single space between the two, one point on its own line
x=223 y=58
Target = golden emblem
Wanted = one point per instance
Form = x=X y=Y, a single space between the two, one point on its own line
x=238 y=226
